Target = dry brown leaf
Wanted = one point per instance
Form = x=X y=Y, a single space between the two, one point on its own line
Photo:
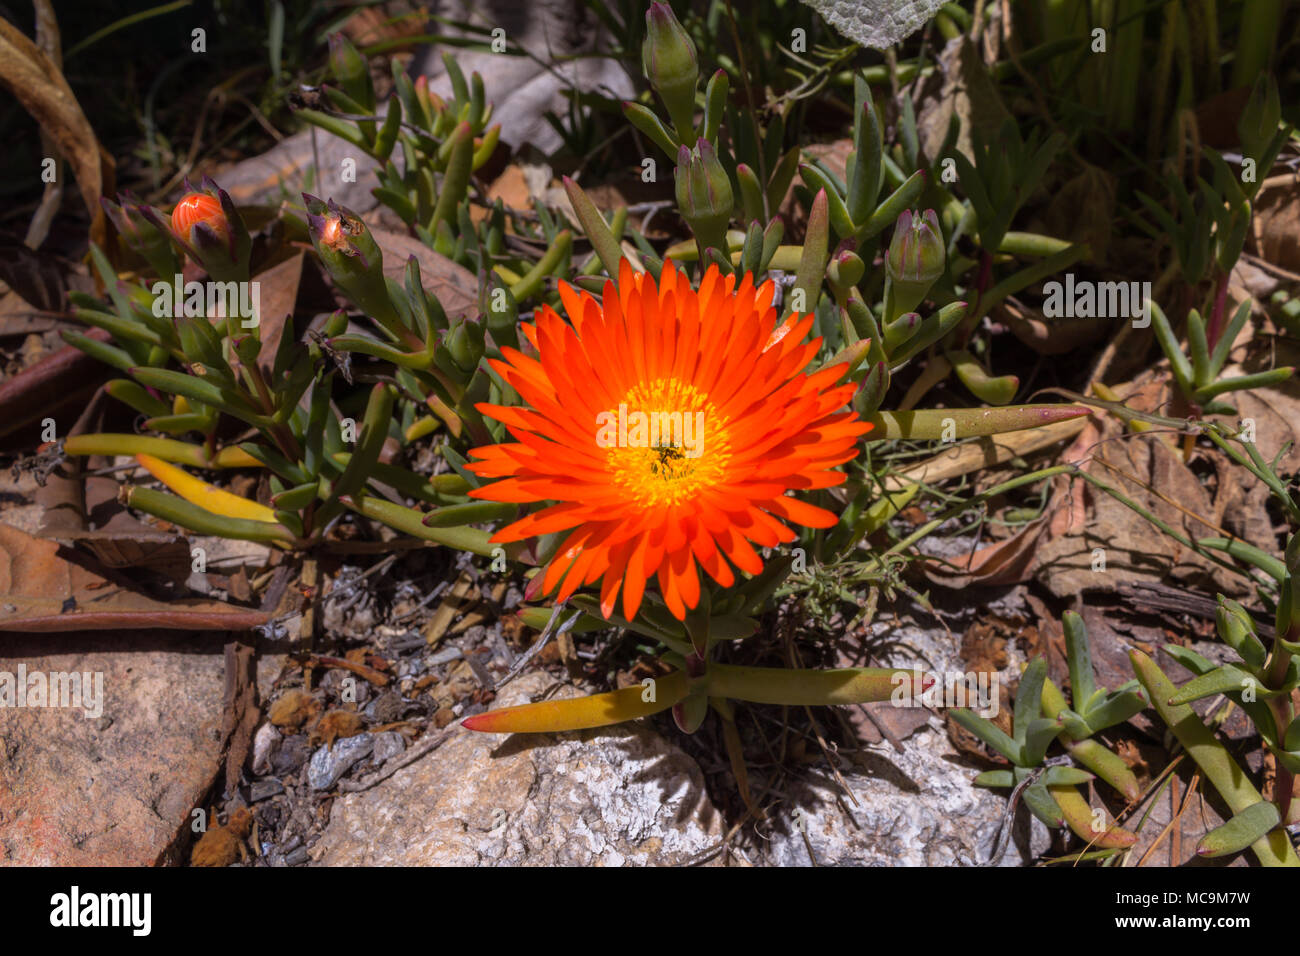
x=967 y=92
x=1082 y=209
x=66 y=377
x=42 y=90
x=279 y=296
x=102 y=525
x=40 y=591
x=1049 y=336
x=1089 y=524
x=1275 y=231
x=1005 y=562
x=454 y=285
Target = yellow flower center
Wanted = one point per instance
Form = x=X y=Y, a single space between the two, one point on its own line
x=664 y=442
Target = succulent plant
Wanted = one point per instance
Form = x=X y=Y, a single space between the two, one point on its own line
x=1040 y=717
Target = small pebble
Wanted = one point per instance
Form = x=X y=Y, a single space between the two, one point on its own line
x=291 y=755
x=297 y=858
x=328 y=764
x=443 y=656
x=385 y=708
x=262 y=789
x=388 y=744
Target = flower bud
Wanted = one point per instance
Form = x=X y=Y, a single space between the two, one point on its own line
x=704 y=196
x=871 y=394
x=915 y=259
x=207 y=226
x=668 y=59
x=142 y=235
x=1237 y=628
x=846 y=269
x=353 y=258
x=199 y=208
x=464 y=342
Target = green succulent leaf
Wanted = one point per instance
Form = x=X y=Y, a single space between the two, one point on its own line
x=995 y=778
x=988 y=732
x=1078 y=655
x=1065 y=776
x=1043 y=805
x=1245 y=827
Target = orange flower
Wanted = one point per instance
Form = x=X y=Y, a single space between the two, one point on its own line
x=199 y=208
x=666 y=425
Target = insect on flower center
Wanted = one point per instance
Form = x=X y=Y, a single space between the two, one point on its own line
x=664 y=441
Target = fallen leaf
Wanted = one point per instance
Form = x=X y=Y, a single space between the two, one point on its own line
x=1082 y=209
x=454 y=286
x=279 y=295
x=40 y=87
x=1275 y=229
x=564 y=58
x=1095 y=542
x=42 y=591
x=1009 y=561
x=86 y=513
x=67 y=377
x=1049 y=336
x=35 y=275
x=965 y=91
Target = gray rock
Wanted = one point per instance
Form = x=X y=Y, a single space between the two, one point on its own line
x=265 y=743
x=297 y=858
x=622 y=795
x=386 y=708
x=559 y=36
x=263 y=789
x=330 y=763
x=290 y=756
x=388 y=744
x=917 y=808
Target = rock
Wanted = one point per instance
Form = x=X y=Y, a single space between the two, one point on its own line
x=386 y=708
x=289 y=757
x=388 y=744
x=264 y=789
x=330 y=763
x=620 y=795
x=916 y=808
x=79 y=790
x=558 y=37
x=265 y=743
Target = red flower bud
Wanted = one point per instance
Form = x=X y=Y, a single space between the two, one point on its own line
x=199 y=208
